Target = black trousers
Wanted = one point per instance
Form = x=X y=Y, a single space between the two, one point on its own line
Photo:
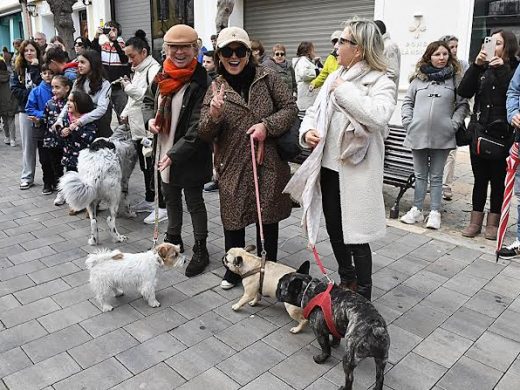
x=237 y=239
x=196 y=208
x=488 y=172
x=50 y=160
x=146 y=165
x=354 y=260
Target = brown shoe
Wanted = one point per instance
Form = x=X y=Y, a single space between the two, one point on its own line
x=475 y=224
x=492 y=222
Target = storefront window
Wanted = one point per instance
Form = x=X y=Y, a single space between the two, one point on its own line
x=166 y=13
x=490 y=15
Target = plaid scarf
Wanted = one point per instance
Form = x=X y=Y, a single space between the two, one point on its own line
x=170 y=80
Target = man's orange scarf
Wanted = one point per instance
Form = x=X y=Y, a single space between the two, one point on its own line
x=170 y=80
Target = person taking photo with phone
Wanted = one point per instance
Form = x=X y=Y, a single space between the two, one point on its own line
x=114 y=60
x=488 y=79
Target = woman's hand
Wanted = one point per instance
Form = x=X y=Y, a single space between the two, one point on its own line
x=152 y=128
x=33 y=119
x=516 y=121
x=496 y=62
x=258 y=132
x=65 y=132
x=74 y=126
x=217 y=102
x=481 y=58
x=35 y=61
x=164 y=163
x=99 y=31
x=312 y=138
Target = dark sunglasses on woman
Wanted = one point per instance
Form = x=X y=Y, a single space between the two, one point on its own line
x=227 y=52
x=79 y=43
x=279 y=54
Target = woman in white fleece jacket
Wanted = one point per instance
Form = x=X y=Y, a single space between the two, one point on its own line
x=346 y=127
x=144 y=68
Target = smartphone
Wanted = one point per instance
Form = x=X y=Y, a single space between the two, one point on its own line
x=106 y=30
x=489 y=47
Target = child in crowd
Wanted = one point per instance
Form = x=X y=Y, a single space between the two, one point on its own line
x=52 y=141
x=38 y=98
x=8 y=106
x=78 y=103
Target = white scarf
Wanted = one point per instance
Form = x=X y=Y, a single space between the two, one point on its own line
x=304 y=187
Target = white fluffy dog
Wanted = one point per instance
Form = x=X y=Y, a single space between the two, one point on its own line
x=98 y=178
x=112 y=272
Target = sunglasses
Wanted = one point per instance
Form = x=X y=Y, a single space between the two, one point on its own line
x=227 y=52
x=342 y=41
x=279 y=54
x=80 y=44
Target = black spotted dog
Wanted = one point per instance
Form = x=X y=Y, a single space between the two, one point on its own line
x=354 y=316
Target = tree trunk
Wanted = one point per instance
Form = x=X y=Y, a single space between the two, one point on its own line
x=28 y=33
x=224 y=10
x=62 y=11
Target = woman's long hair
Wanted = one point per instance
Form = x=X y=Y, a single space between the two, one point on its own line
x=21 y=64
x=96 y=74
x=367 y=36
x=426 y=58
x=305 y=48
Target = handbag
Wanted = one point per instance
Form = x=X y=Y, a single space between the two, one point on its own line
x=287 y=144
x=491 y=141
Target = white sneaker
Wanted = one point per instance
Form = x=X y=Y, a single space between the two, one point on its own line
x=150 y=220
x=434 y=220
x=414 y=215
x=6 y=141
x=13 y=143
x=225 y=285
x=142 y=207
x=60 y=200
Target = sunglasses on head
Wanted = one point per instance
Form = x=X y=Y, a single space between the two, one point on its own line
x=227 y=52
x=342 y=41
x=279 y=54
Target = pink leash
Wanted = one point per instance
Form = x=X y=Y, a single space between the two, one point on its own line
x=259 y=211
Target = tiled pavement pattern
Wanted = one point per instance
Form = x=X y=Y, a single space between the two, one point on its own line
x=453 y=314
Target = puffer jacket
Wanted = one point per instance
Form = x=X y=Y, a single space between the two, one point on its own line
x=19 y=86
x=432 y=112
x=144 y=74
x=305 y=72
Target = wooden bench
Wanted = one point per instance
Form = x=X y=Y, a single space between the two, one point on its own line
x=398 y=166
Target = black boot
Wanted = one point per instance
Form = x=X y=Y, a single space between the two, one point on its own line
x=175 y=240
x=365 y=291
x=200 y=259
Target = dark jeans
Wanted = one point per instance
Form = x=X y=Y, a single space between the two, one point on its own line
x=50 y=160
x=354 y=260
x=196 y=207
x=488 y=172
x=146 y=165
x=237 y=239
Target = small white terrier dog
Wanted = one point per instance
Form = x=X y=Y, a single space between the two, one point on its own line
x=112 y=272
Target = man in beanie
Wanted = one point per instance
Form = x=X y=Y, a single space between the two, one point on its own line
x=184 y=159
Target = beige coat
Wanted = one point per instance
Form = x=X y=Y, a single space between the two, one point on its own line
x=270 y=102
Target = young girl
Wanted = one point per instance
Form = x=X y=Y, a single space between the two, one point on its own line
x=52 y=141
x=80 y=137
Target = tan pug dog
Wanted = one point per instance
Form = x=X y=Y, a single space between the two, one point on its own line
x=244 y=263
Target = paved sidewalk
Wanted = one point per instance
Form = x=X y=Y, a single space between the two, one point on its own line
x=452 y=312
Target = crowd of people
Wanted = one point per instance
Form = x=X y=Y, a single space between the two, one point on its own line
x=202 y=107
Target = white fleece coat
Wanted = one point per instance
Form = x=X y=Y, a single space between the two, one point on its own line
x=304 y=73
x=368 y=98
x=144 y=74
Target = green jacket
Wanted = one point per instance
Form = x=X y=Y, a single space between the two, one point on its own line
x=331 y=64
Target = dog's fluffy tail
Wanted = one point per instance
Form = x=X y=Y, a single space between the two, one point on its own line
x=77 y=193
x=101 y=256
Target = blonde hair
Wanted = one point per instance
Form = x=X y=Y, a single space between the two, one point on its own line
x=369 y=39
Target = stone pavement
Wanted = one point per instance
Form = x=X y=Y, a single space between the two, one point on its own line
x=452 y=312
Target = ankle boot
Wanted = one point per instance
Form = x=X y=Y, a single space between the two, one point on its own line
x=492 y=222
x=365 y=291
x=349 y=285
x=475 y=224
x=175 y=240
x=200 y=259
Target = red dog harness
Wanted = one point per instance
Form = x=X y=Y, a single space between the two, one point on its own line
x=323 y=301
